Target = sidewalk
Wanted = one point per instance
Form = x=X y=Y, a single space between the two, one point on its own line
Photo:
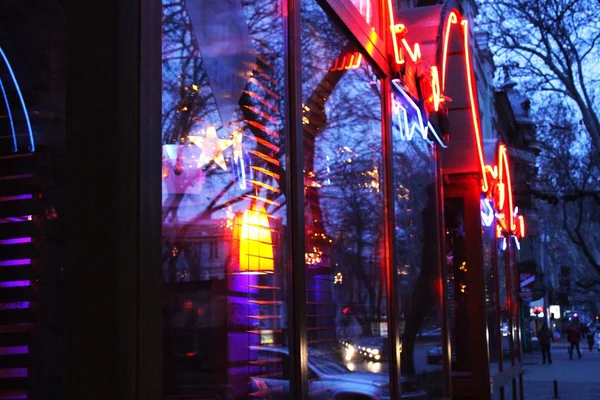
x=578 y=379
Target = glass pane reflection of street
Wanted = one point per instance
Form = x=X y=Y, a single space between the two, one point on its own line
x=224 y=201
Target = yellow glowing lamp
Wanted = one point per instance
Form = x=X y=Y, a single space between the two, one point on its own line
x=256 y=243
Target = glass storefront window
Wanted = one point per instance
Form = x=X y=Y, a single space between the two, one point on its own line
x=224 y=202
x=491 y=294
x=416 y=254
x=369 y=9
x=345 y=266
x=457 y=283
x=505 y=333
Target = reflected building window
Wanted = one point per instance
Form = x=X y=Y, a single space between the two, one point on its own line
x=224 y=202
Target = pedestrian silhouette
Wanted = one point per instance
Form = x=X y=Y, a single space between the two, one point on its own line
x=590 y=340
x=574 y=336
x=544 y=336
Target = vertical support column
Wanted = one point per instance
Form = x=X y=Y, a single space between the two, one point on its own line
x=510 y=295
x=388 y=182
x=517 y=286
x=149 y=382
x=446 y=347
x=388 y=190
x=295 y=204
x=496 y=269
x=112 y=306
x=475 y=381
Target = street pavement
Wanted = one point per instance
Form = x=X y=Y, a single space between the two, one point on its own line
x=578 y=379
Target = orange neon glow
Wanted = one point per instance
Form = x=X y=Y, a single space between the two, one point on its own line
x=253 y=232
x=397 y=52
x=436 y=94
x=347 y=63
x=364 y=7
x=521 y=226
x=506 y=215
x=452 y=19
x=503 y=160
x=498 y=231
x=415 y=55
x=474 y=103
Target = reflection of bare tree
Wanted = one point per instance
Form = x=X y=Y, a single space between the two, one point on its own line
x=343 y=209
x=426 y=290
x=188 y=101
x=189 y=104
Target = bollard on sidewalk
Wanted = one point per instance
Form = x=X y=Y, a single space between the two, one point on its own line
x=555 y=389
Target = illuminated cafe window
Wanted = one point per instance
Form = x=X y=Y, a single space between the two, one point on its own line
x=222 y=166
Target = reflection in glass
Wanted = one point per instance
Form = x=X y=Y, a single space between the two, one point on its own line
x=416 y=256
x=223 y=200
x=503 y=304
x=457 y=283
x=491 y=296
x=346 y=300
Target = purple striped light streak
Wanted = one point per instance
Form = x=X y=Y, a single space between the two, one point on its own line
x=14 y=284
x=15 y=219
x=14 y=350
x=12 y=263
x=15 y=241
x=17 y=197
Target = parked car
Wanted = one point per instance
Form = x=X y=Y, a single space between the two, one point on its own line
x=430 y=334
x=369 y=348
x=328 y=379
x=434 y=355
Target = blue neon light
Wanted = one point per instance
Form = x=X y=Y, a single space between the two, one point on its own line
x=400 y=115
x=12 y=75
x=12 y=125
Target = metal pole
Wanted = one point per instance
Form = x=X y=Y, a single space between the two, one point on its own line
x=510 y=307
x=296 y=269
x=393 y=334
x=518 y=314
x=446 y=347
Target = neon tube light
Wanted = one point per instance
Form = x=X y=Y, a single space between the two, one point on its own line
x=17 y=197
x=399 y=112
x=487 y=212
x=415 y=55
x=452 y=19
x=12 y=75
x=12 y=263
x=397 y=53
x=474 y=102
x=10 y=118
x=15 y=241
x=12 y=284
x=436 y=93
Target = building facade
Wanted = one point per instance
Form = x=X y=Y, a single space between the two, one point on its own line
x=262 y=199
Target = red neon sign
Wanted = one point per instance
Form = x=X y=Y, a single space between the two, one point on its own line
x=353 y=61
x=506 y=214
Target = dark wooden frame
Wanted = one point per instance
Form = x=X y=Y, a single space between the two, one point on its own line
x=474 y=384
x=298 y=345
x=112 y=318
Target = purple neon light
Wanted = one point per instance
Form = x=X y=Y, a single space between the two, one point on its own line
x=13 y=395
x=14 y=350
x=17 y=197
x=14 y=306
x=14 y=373
x=15 y=284
x=18 y=176
x=15 y=219
x=16 y=240
x=12 y=263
